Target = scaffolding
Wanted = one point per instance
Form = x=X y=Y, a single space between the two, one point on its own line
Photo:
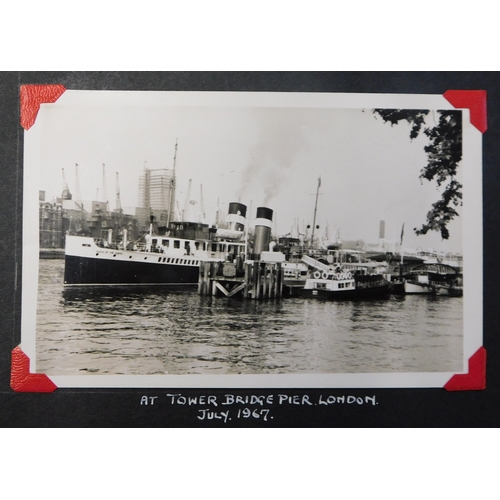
x=157 y=190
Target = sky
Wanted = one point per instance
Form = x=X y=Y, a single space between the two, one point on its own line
x=260 y=156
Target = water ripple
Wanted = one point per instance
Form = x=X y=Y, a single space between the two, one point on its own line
x=158 y=331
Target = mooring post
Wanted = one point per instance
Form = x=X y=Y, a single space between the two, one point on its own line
x=263 y=279
x=254 y=279
x=281 y=280
x=258 y=281
x=206 y=278
x=277 y=284
x=268 y=281
x=200 y=279
x=247 y=281
x=263 y=270
x=272 y=285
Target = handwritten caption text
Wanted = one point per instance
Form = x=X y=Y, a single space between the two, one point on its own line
x=254 y=406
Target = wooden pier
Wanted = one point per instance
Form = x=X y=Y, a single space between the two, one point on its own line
x=253 y=280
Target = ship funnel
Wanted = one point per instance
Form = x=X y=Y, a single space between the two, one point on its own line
x=263 y=224
x=236 y=222
x=236 y=216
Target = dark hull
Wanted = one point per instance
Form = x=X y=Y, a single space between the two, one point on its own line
x=329 y=295
x=374 y=285
x=86 y=271
x=374 y=291
x=398 y=287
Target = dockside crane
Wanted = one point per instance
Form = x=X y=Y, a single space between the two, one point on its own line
x=65 y=195
x=78 y=221
x=118 y=204
x=104 y=186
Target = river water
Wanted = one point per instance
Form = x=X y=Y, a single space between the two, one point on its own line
x=157 y=331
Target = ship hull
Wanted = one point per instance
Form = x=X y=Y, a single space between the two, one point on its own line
x=87 y=271
x=418 y=288
x=398 y=287
x=372 y=286
x=449 y=291
x=374 y=291
x=329 y=294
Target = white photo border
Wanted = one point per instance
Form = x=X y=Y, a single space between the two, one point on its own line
x=472 y=241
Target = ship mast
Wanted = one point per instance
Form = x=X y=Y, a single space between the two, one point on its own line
x=186 y=211
x=202 y=205
x=78 y=194
x=172 y=188
x=315 y=210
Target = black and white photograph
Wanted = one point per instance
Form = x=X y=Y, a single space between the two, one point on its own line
x=197 y=239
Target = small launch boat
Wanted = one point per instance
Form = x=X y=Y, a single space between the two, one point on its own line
x=330 y=285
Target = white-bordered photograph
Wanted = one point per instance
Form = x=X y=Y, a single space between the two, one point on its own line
x=189 y=239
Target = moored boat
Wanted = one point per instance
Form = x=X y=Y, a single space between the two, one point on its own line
x=418 y=285
x=449 y=290
x=330 y=285
x=369 y=279
x=172 y=258
x=372 y=285
x=434 y=278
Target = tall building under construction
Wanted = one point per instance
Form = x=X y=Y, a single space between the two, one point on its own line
x=157 y=192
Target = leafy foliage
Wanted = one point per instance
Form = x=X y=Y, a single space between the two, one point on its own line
x=444 y=153
x=415 y=117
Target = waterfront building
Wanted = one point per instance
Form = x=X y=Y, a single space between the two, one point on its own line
x=52 y=224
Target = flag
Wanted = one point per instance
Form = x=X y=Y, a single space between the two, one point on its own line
x=319 y=181
x=402 y=233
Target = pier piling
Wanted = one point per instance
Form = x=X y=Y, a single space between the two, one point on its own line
x=259 y=281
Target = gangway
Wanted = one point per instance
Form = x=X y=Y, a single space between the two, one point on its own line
x=316 y=264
